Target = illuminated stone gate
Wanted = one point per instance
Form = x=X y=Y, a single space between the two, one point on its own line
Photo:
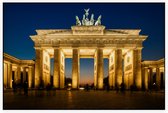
x=89 y=39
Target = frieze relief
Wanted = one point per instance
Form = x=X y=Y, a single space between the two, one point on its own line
x=129 y=67
x=112 y=67
x=88 y=41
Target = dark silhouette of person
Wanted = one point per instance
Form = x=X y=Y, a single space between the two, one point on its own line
x=25 y=86
x=122 y=87
x=87 y=87
x=14 y=87
x=41 y=86
x=117 y=89
x=48 y=88
x=108 y=87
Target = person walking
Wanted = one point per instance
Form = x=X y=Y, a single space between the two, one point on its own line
x=25 y=86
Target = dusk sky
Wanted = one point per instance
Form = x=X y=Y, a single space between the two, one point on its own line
x=21 y=20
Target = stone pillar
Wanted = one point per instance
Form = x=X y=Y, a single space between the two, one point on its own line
x=158 y=77
x=24 y=74
x=137 y=68
x=95 y=75
x=163 y=78
x=19 y=73
x=95 y=71
x=150 y=78
x=62 y=71
x=56 y=77
x=118 y=67
x=30 y=77
x=38 y=67
x=33 y=77
x=75 y=68
x=143 y=78
x=15 y=76
x=100 y=68
x=146 y=78
x=5 y=75
x=9 y=77
x=110 y=79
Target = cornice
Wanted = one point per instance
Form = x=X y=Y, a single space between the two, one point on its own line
x=12 y=59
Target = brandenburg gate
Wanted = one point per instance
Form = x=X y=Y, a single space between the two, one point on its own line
x=89 y=39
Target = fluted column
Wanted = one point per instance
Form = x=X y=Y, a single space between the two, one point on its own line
x=19 y=73
x=56 y=77
x=118 y=67
x=30 y=77
x=163 y=78
x=110 y=79
x=33 y=76
x=150 y=78
x=24 y=74
x=100 y=68
x=9 y=81
x=137 y=68
x=158 y=77
x=38 y=67
x=75 y=68
x=5 y=75
x=95 y=70
x=62 y=70
x=146 y=78
x=15 y=76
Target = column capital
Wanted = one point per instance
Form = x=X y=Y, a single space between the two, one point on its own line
x=56 y=48
x=117 y=48
x=146 y=67
x=30 y=66
x=157 y=67
x=99 y=47
x=75 y=47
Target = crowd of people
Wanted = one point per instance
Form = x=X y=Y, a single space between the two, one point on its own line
x=22 y=88
x=18 y=87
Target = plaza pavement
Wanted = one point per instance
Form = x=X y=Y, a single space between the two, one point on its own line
x=63 y=99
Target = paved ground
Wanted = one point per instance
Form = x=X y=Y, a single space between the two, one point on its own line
x=63 y=99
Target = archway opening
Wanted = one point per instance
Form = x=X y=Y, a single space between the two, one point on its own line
x=106 y=73
x=51 y=70
x=86 y=72
x=68 y=72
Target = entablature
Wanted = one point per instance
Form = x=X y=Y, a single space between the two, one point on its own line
x=13 y=60
x=158 y=63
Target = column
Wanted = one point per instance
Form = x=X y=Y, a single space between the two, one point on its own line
x=150 y=78
x=15 y=76
x=75 y=68
x=95 y=70
x=163 y=77
x=38 y=67
x=62 y=71
x=56 y=77
x=158 y=77
x=110 y=79
x=100 y=68
x=5 y=74
x=146 y=78
x=24 y=74
x=19 y=73
x=118 y=67
x=137 y=68
x=9 y=77
x=143 y=78
x=30 y=77
x=33 y=76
